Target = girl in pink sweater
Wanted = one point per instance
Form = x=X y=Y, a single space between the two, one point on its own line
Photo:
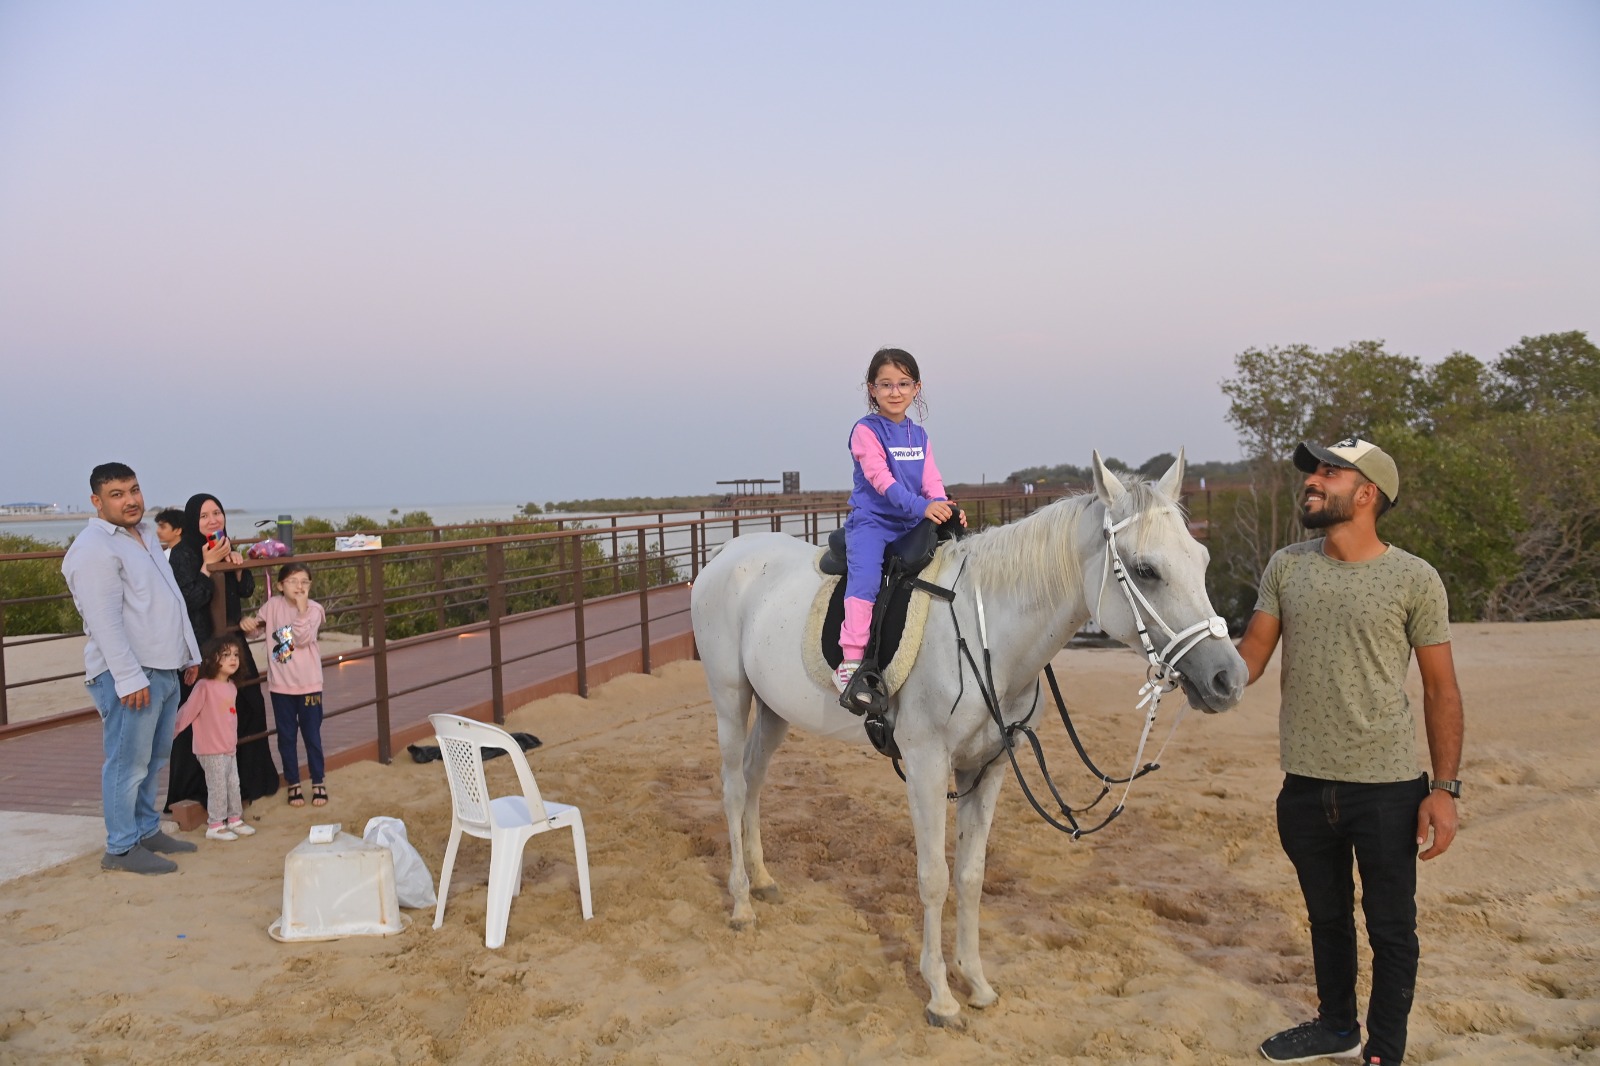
x=292 y=619
x=211 y=709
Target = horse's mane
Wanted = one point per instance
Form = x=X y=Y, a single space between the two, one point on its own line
x=1037 y=559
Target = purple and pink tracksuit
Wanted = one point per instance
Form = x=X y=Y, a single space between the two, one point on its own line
x=895 y=478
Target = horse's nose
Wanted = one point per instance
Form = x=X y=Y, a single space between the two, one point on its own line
x=1229 y=684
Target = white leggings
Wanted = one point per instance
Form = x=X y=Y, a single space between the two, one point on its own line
x=222 y=788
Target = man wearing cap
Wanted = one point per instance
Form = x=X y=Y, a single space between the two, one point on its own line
x=1351 y=611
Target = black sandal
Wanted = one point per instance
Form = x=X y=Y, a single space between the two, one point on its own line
x=319 y=796
x=296 y=798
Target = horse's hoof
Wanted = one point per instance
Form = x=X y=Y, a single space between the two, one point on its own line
x=984 y=1000
x=767 y=893
x=739 y=925
x=953 y=1022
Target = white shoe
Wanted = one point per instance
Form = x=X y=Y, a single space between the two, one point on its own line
x=242 y=828
x=221 y=832
x=847 y=670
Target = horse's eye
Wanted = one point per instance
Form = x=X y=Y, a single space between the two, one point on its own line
x=1145 y=572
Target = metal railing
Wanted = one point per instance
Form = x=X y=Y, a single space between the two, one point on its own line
x=435 y=583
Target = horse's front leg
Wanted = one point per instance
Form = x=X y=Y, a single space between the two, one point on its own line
x=927 y=775
x=974 y=815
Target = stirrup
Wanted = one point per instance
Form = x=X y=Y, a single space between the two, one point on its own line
x=866 y=693
x=881 y=733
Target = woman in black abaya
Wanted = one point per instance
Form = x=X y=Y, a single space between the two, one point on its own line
x=192 y=558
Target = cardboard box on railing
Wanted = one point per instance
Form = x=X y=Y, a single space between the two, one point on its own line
x=357 y=542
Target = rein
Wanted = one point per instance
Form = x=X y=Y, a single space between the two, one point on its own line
x=1162 y=677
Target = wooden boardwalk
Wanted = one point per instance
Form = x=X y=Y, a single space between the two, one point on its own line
x=57 y=771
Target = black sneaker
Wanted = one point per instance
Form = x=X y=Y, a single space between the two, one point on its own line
x=1313 y=1040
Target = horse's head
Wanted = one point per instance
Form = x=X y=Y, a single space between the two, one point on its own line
x=1161 y=587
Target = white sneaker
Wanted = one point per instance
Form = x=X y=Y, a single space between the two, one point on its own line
x=221 y=832
x=242 y=828
x=847 y=670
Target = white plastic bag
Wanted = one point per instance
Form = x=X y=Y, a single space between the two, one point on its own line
x=413 y=883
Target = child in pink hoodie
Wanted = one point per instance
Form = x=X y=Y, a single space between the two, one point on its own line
x=292 y=620
x=211 y=709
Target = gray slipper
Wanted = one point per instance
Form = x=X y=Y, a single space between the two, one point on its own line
x=137 y=861
x=162 y=844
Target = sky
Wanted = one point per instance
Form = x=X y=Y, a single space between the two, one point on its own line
x=314 y=253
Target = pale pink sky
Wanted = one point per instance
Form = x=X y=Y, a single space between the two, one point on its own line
x=537 y=251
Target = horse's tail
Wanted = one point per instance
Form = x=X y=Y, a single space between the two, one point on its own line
x=716 y=552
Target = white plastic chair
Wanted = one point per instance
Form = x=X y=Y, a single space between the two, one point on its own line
x=507 y=822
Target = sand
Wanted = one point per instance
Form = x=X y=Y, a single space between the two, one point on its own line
x=1176 y=936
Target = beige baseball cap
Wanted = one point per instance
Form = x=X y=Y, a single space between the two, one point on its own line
x=1356 y=454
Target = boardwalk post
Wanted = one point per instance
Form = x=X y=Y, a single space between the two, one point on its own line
x=380 y=657
x=497 y=610
x=438 y=580
x=616 y=563
x=579 y=648
x=4 y=719
x=694 y=558
x=361 y=598
x=644 y=609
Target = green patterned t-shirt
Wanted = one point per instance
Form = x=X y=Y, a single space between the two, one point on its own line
x=1348 y=631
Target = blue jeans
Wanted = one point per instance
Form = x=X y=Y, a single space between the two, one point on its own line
x=137 y=746
x=303 y=715
x=1322 y=825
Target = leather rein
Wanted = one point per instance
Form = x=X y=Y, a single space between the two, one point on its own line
x=1161 y=677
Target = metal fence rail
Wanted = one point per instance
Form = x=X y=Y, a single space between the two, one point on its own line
x=433 y=584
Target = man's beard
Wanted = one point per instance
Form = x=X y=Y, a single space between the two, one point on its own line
x=1335 y=509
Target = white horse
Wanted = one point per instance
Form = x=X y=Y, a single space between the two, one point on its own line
x=750 y=606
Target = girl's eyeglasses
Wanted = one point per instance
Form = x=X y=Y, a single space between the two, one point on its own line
x=894 y=386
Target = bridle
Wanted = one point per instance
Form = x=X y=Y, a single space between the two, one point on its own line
x=1163 y=672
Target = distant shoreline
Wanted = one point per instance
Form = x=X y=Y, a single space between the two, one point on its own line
x=63 y=516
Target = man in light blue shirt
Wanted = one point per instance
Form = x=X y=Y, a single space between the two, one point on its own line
x=139 y=641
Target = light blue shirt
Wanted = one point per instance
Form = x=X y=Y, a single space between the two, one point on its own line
x=133 y=614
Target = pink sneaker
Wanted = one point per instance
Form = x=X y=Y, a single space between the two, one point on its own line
x=847 y=670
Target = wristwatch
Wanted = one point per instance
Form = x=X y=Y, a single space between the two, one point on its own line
x=1452 y=787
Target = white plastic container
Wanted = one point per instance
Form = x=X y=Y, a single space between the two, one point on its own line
x=338 y=889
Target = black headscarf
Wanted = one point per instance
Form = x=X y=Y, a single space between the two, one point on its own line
x=191 y=534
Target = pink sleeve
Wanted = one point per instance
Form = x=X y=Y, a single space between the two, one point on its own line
x=868 y=451
x=932 y=481
x=190 y=709
x=307 y=625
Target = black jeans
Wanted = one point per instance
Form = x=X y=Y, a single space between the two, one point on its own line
x=1322 y=825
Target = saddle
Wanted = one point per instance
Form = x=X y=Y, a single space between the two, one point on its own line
x=904 y=558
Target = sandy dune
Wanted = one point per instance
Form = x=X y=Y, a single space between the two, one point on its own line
x=1173 y=937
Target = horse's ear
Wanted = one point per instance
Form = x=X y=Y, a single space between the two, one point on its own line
x=1106 y=485
x=1172 y=481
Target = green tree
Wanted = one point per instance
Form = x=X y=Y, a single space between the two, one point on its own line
x=1547 y=373
x=1360 y=389
x=1153 y=467
x=1459 y=510
x=39 y=581
x=1555 y=457
x=1455 y=393
x=1270 y=403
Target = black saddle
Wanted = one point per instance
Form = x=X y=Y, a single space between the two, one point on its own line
x=910 y=552
x=904 y=558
